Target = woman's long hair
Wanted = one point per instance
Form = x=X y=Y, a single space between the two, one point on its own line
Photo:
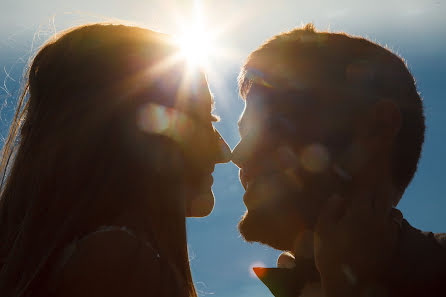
x=73 y=160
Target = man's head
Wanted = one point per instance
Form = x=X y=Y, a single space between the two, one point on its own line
x=324 y=113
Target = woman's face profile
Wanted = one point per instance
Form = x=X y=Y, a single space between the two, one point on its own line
x=205 y=148
x=208 y=149
x=187 y=120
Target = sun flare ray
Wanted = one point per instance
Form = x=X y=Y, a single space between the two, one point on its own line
x=203 y=43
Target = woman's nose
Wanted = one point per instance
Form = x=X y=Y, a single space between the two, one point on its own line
x=224 y=152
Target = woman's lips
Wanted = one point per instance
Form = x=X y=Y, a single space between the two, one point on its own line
x=210 y=180
x=207 y=181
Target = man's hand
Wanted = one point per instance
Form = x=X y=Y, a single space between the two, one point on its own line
x=354 y=244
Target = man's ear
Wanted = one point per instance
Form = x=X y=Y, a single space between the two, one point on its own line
x=383 y=123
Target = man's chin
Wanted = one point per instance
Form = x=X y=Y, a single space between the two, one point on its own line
x=255 y=227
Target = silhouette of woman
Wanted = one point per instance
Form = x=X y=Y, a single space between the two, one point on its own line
x=111 y=148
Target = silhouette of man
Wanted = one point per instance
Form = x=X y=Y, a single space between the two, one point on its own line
x=331 y=136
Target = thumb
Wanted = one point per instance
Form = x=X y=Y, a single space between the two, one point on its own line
x=330 y=213
x=303 y=245
x=286 y=260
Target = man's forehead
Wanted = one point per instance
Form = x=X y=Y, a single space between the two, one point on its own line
x=278 y=99
x=271 y=100
x=301 y=108
x=258 y=107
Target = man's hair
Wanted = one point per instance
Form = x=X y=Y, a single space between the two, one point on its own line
x=304 y=58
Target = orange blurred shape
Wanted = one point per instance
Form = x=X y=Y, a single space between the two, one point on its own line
x=259 y=271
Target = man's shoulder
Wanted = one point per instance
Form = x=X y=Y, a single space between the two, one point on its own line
x=420 y=263
x=441 y=239
x=413 y=237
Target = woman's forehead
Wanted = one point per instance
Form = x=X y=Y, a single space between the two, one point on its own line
x=194 y=97
x=178 y=87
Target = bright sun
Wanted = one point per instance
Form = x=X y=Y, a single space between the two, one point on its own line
x=196 y=46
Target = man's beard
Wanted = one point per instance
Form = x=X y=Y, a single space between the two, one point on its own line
x=277 y=217
x=272 y=217
x=262 y=226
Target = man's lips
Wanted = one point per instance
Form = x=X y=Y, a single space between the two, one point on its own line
x=248 y=177
x=257 y=192
x=254 y=170
x=260 y=187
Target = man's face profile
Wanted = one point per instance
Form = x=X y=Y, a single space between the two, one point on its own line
x=325 y=114
x=286 y=158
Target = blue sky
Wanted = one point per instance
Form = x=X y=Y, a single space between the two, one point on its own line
x=220 y=259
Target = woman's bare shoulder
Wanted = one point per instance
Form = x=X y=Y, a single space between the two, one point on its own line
x=112 y=262
x=118 y=243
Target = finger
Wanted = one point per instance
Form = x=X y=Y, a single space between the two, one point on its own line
x=330 y=214
x=316 y=243
x=303 y=245
x=286 y=260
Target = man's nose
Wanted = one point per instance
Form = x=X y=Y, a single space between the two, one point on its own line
x=246 y=148
x=224 y=154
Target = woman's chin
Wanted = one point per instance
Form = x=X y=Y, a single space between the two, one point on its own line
x=201 y=205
